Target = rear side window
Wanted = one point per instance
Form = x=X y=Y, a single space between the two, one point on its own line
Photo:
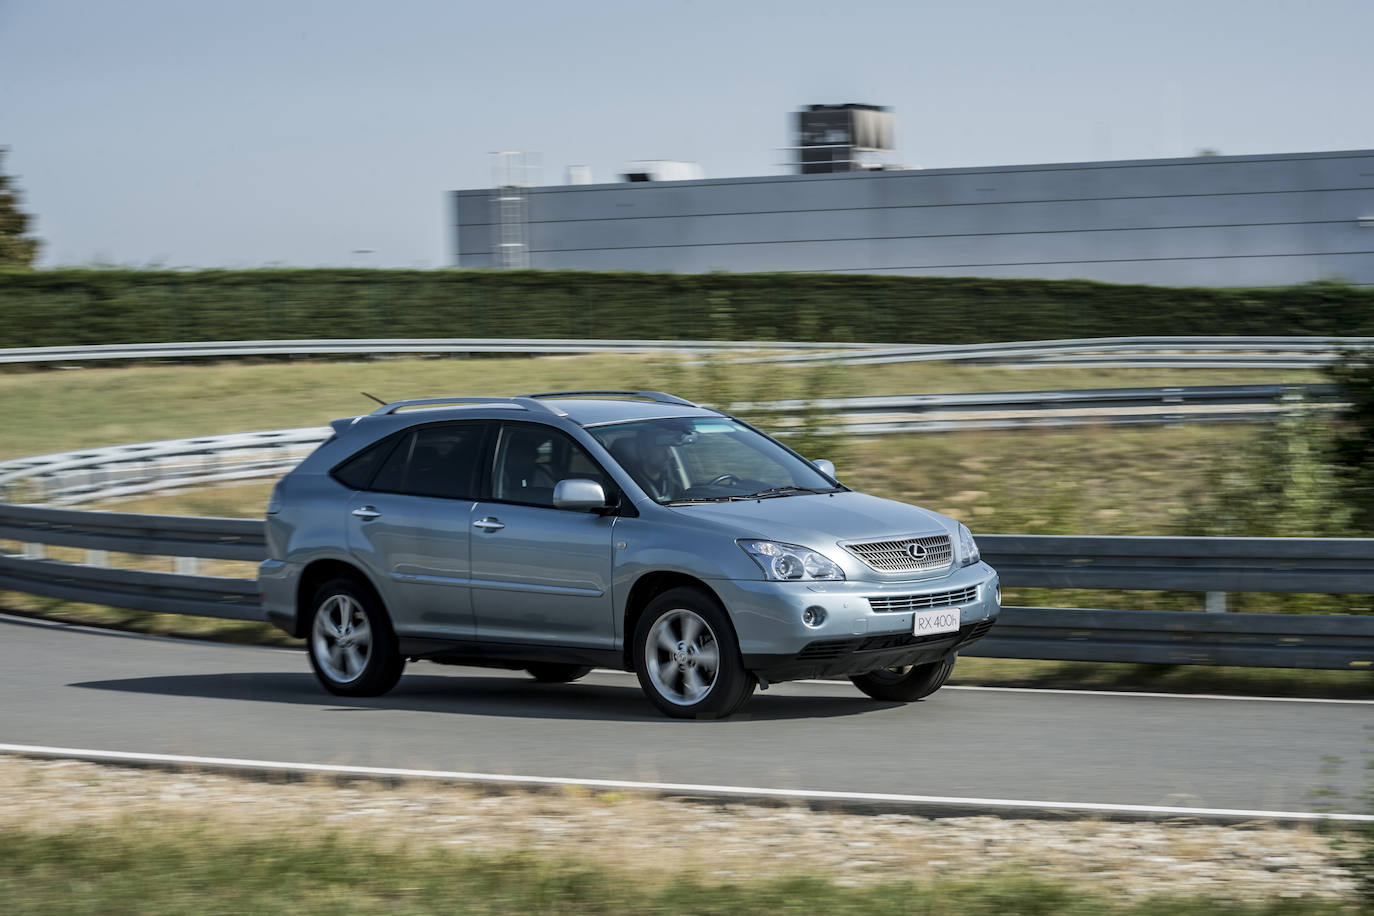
x=434 y=461
x=356 y=473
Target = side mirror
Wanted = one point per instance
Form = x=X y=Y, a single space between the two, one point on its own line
x=825 y=467
x=577 y=493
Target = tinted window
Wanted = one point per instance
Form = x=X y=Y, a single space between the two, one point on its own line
x=434 y=461
x=531 y=460
x=357 y=471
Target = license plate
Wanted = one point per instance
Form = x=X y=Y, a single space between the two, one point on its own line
x=940 y=620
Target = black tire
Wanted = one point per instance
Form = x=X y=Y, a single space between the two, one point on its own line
x=681 y=682
x=905 y=685
x=347 y=615
x=556 y=673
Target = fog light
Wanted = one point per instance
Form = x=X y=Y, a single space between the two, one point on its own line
x=813 y=616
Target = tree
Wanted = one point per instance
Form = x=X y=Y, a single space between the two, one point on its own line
x=1353 y=449
x=16 y=249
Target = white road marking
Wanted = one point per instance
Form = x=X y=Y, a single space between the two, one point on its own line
x=671 y=788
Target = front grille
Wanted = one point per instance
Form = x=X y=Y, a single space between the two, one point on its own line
x=896 y=603
x=896 y=556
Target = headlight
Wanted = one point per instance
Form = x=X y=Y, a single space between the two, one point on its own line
x=968 y=547
x=790 y=562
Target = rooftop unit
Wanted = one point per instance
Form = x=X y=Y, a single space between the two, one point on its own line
x=843 y=138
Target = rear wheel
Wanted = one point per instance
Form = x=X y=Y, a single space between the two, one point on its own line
x=351 y=645
x=687 y=657
x=555 y=673
x=905 y=684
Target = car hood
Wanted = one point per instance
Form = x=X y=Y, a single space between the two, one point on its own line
x=821 y=520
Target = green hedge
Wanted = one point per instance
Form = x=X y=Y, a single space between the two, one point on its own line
x=66 y=307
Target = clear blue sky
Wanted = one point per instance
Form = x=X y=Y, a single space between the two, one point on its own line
x=198 y=134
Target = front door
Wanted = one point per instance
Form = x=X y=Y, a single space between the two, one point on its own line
x=541 y=575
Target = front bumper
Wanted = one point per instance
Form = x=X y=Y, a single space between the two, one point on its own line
x=854 y=638
x=844 y=657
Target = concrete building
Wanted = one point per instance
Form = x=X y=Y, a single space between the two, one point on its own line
x=1211 y=221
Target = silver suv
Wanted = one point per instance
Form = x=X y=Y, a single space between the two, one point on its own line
x=625 y=529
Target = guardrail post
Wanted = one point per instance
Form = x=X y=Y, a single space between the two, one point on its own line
x=34 y=552
x=98 y=558
x=1216 y=603
x=187 y=566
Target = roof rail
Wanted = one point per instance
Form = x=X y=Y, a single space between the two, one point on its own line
x=659 y=396
x=458 y=401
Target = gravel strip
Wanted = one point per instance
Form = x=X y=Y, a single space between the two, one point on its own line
x=711 y=842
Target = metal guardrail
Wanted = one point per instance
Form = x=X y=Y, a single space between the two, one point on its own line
x=1292 y=565
x=1181 y=638
x=391 y=346
x=893 y=414
x=1119 y=352
x=140 y=590
x=1140 y=352
x=72 y=478
x=155 y=535
x=69 y=478
x=99 y=533
x=1155 y=637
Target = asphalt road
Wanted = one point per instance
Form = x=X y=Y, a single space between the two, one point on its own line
x=70 y=688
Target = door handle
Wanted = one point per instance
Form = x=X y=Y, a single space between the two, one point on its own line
x=488 y=524
x=366 y=512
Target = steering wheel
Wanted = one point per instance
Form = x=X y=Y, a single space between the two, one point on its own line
x=723 y=479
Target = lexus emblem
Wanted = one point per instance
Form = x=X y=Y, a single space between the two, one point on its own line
x=916 y=551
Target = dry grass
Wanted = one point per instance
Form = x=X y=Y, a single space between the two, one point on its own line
x=649 y=842
x=55 y=410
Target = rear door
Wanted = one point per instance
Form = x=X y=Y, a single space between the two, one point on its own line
x=541 y=575
x=410 y=526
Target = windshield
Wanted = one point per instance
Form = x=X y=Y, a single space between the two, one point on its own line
x=707 y=459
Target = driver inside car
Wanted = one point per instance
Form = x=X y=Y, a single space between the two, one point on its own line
x=656 y=464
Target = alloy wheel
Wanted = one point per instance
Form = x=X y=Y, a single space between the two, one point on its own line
x=682 y=656
x=341 y=639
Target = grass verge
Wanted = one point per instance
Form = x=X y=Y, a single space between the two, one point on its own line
x=190 y=868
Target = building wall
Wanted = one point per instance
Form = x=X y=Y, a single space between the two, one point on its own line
x=1224 y=221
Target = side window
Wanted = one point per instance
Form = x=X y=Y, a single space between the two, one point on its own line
x=531 y=460
x=438 y=461
x=392 y=476
x=356 y=472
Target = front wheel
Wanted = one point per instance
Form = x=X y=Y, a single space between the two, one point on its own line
x=687 y=657
x=352 y=647
x=905 y=684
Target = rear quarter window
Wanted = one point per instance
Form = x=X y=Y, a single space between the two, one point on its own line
x=357 y=472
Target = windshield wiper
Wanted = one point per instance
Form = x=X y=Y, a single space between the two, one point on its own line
x=783 y=491
x=697 y=499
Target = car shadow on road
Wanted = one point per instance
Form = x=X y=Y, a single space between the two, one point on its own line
x=512 y=696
